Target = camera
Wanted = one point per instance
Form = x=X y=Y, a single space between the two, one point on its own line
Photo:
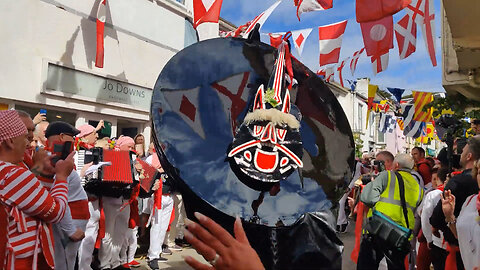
x=61 y=150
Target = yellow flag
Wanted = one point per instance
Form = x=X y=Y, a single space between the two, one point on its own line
x=372 y=90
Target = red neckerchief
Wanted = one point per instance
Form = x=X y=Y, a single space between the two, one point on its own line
x=441 y=187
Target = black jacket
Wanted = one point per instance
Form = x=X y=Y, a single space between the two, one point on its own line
x=462 y=186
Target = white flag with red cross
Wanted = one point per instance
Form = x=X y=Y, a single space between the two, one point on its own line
x=329 y=73
x=311 y=5
x=260 y=19
x=354 y=61
x=423 y=13
x=339 y=69
x=101 y=18
x=330 y=41
x=206 y=11
x=379 y=63
x=406 y=33
x=299 y=37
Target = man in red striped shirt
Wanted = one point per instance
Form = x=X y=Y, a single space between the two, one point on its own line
x=30 y=207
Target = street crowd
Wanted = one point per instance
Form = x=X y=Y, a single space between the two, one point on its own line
x=411 y=211
x=48 y=220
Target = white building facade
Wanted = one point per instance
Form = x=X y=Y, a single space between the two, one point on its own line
x=48 y=58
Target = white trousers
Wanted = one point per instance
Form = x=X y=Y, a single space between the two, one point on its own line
x=85 y=253
x=127 y=253
x=159 y=221
x=66 y=250
x=116 y=227
x=178 y=224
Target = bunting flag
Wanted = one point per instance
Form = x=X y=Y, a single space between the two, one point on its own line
x=372 y=10
x=311 y=5
x=339 y=69
x=427 y=133
x=354 y=61
x=276 y=39
x=412 y=128
x=406 y=33
x=372 y=91
x=400 y=123
x=299 y=37
x=321 y=72
x=329 y=72
x=260 y=19
x=422 y=12
x=387 y=123
x=421 y=99
x=384 y=106
x=396 y=92
x=330 y=41
x=378 y=36
x=353 y=84
x=206 y=11
x=428 y=30
x=101 y=18
x=379 y=63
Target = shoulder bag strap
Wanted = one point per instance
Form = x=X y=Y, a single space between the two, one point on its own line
x=401 y=186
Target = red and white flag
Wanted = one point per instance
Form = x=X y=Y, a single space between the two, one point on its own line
x=379 y=63
x=299 y=37
x=423 y=13
x=406 y=33
x=373 y=10
x=260 y=19
x=329 y=72
x=276 y=39
x=321 y=72
x=354 y=61
x=330 y=39
x=428 y=29
x=101 y=18
x=311 y=5
x=339 y=69
x=378 y=36
x=206 y=11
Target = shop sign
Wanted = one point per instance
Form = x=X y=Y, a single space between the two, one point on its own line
x=86 y=86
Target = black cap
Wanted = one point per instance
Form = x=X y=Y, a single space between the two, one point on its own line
x=57 y=128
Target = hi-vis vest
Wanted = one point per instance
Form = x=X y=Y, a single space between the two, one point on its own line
x=390 y=204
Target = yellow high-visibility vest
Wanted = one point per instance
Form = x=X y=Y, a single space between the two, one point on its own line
x=390 y=204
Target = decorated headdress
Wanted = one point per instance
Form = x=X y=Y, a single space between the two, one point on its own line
x=267 y=146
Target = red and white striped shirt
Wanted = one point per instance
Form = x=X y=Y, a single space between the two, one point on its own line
x=30 y=209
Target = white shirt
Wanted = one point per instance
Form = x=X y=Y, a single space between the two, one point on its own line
x=468 y=231
x=429 y=202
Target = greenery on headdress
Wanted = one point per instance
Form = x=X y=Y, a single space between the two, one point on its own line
x=270 y=97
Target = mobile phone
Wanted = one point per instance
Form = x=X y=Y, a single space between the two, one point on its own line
x=61 y=150
x=43 y=111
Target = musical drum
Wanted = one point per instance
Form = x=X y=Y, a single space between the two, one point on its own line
x=282 y=173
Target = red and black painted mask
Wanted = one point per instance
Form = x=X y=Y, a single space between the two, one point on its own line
x=267 y=146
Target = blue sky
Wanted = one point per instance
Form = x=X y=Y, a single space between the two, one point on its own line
x=413 y=73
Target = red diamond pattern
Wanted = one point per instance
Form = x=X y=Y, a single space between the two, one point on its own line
x=299 y=40
x=188 y=109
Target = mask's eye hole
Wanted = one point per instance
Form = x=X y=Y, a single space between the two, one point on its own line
x=258 y=130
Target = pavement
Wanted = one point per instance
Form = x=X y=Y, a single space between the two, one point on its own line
x=175 y=261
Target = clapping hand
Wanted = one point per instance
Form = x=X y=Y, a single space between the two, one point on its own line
x=217 y=246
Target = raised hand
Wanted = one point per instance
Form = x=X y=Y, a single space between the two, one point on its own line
x=448 y=205
x=218 y=247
